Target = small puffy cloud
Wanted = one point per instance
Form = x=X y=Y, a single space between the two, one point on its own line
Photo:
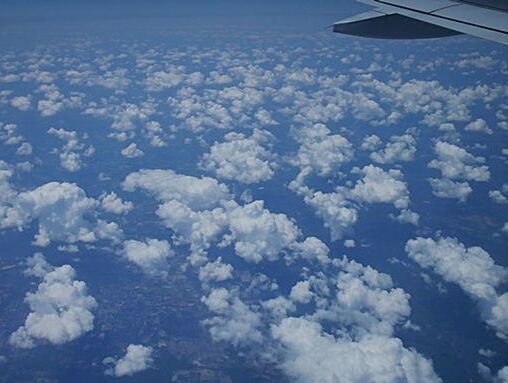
x=321 y=151
x=114 y=204
x=400 y=148
x=379 y=186
x=479 y=125
x=472 y=269
x=137 y=358
x=215 y=271
x=132 y=151
x=301 y=292
x=246 y=160
x=236 y=322
x=446 y=188
x=337 y=213
x=22 y=103
x=407 y=216
x=312 y=248
x=349 y=243
x=260 y=234
x=456 y=163
x=150 y=255
x=25 y=149
x=371 y=143
x=72 y=151
x=498 y=197
x=165 y=185
x=61 y=309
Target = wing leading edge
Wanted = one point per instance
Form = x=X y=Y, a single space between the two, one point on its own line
x=416 y=19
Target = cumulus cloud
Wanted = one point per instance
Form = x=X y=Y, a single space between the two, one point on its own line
x=337 y=213
x=63 y=212
x=312 y=355
x=371 y=143
x=200 y=211
x=364 y=304
x=479 y=125
x=132 y=151
x=259 y=234
x=379 y=186
x=321 y=151
x=245 y=160
x=136 y=359
x=72 y=151
x=472 y=269
x=399 y=149
x=150 y=255
x=215 y=271
x=498 y=197
x=166 y=185
x=456 y=163
x=446 y=188
x=235 y=322
x=114 y=204
x=61 y=309
x=22 y=103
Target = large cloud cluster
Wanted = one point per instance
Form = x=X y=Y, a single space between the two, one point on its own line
x=472 y=269
x=200 y=212
x=61 y=309
x=339 y=209
x=456 y=164
x=63 y=212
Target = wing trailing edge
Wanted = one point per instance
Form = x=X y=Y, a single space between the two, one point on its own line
x=420 y=19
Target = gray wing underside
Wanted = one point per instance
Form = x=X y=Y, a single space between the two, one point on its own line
x=413 y=19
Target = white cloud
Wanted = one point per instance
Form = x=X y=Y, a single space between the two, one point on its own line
x=72 y=151
x=137 y=358
x=23 y=103
x=371 y=143
x=337 y=213
x=215 y=271
x=132 y=151
x=236 y=322
x=260 y=234
x=320 y=151
x=165 y=185
x=246 y=160
x=312 y=248
x=400 y=148
x=498 y=197
x=61 y=309
x=456 y=163
x=472 y=269
x=479 y=125
x=63 y=211
x=379 y=186
x=312 y=355
x=446 y=188
x=25 y=149
x=150 y=255
x=301 y=292
x=114 y=204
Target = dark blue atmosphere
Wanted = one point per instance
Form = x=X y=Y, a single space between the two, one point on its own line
x=229 y=100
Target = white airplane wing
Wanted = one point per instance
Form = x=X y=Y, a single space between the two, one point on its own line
x=413 y=19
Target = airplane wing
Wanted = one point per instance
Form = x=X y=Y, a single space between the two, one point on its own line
x=414 y=19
